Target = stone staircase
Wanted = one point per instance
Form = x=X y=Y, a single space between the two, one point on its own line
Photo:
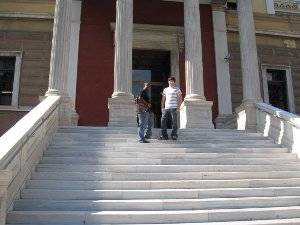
x=99 y=176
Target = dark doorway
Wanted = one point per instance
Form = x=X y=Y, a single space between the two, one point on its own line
x=151 y=66
x=277 y=88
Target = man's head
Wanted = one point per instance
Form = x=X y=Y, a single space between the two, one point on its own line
x=171 y=81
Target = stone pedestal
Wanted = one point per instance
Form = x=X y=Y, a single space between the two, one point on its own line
x=226 y=121
x=122 y=112
x=246 y=116
x=196 y=114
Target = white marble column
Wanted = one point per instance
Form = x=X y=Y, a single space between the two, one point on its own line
x=249 y=63
x=121 y=105
x=222 y=66
x=195 y=110
x=58 y=77
x=73 y=54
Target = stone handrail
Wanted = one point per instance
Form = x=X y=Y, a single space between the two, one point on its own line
x=21 y=148
x=281 y=126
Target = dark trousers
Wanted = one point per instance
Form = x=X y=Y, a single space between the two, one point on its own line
x=164 y=118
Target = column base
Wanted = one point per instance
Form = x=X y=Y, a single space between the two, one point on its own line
x=196 y=114
x=122 y=112
x=246 y=116
x=226 y=121
x=67 y=115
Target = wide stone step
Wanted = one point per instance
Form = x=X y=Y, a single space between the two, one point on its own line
x=170 y=143
x=165 y=168
x=174 y=216
x=158 y=193
x=109 y=176
x=155 y=204
x=132 y=137
x=176 y=184
x=144 y=161
x=294 y=221
x=170 y=150
x=138 y=154
x=133 y=130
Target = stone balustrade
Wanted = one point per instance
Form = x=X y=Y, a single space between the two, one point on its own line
x=21 y=148
x=281 y=126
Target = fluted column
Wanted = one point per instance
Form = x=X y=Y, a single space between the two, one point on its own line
x=121 y=105
x=60 y=44
x=222 y=65
x=249 y=62
x=193 y=51
x=195 y=110
x=58 y=77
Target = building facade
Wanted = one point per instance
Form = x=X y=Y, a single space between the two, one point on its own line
x=220 y=59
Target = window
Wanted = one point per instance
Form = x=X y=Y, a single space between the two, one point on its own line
x=10 y=63
x=231 y=5
x=278 y=90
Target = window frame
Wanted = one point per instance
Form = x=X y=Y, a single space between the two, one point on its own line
x=289 y=84
x=17 y=74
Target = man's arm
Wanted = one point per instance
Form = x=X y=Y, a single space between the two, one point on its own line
x=179 y=101
x=163 y=99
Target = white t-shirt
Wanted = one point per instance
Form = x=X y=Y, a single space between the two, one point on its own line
x=171 y=94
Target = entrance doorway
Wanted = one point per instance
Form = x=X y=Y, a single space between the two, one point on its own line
x=151 y=66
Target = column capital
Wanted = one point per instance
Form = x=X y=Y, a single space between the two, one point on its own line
x=218 y=5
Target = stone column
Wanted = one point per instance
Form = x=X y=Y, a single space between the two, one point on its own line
x=58 y=77
x=222 y=65
x=121 y=104
x=195 y=112
x=73 y=54
x=249 y=64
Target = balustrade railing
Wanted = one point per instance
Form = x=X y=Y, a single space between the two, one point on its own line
x=283 y=127
x=22 y=147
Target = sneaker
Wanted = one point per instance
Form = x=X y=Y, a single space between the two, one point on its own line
x=144 y=141
x=163 y=138
x=148 y=137
x=174 y=137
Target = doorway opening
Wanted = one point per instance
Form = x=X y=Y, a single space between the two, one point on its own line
x=151 y=66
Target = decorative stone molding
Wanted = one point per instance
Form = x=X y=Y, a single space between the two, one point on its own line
x=159 y=37
x=290 y=6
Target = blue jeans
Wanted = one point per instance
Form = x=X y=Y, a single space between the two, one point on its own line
x=164 y=118
x=142 y=125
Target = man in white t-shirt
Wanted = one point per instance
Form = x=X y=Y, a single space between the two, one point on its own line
x=170 y=103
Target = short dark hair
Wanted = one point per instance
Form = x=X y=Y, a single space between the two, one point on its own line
x=172 y=78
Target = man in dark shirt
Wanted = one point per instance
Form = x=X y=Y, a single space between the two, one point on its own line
x=143 y=108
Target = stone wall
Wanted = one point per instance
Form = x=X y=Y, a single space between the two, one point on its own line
x=278 y=44
x=36 y=49
x=272 y=50
x=9 y=118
